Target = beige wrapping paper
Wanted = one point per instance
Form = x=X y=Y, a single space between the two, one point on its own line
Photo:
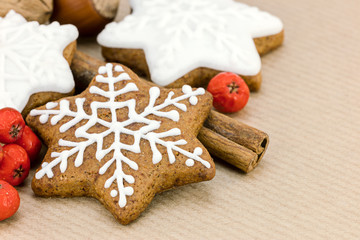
x=306 y=187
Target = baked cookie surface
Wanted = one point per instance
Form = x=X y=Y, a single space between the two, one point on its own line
x=34 y=59
x=169 y=41
x=122 y=141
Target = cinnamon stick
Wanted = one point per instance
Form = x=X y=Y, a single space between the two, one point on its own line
x=232 y=141
x=84 y=69
x=226 y=138
x=249 y=137
x=227 y=150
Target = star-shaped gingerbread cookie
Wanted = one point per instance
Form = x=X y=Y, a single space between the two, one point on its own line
x=188 y=42
x=122 y=141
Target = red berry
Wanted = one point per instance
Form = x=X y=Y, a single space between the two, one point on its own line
x=9 y=200
x=1 y=154
x=11 y=125
x=229 y=91
x=30 y=142
x=15 y=165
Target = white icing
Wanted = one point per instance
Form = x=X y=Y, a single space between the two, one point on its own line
x=179 y=36
x=189 y=162
x=31 y=59
x=117 y=128
x=51 y=105
x=114 y=193
x=193 y=100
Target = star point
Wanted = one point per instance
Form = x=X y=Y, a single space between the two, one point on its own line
x=31 y=59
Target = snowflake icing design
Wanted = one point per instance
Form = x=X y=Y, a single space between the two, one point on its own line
x=117 y=128
x=31 y=59
x=179 y=36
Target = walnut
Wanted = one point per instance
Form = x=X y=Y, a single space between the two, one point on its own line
x=32 y=10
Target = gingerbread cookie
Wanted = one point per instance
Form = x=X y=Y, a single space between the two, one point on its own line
x=122 y=141
x=34 y=62
x=188 y=42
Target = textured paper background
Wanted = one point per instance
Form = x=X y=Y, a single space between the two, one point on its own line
x=306 y=187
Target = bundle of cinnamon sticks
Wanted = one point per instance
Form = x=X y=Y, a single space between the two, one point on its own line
x=225 y=138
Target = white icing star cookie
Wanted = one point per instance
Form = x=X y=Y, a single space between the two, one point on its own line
x=179 y=36
x=31 y=59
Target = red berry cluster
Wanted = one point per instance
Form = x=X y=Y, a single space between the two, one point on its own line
x=18 y=147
